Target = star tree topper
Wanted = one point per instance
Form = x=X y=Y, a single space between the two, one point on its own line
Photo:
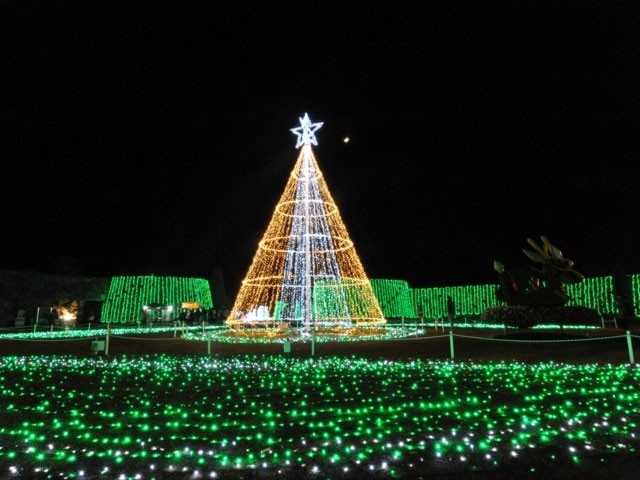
x=306 y=131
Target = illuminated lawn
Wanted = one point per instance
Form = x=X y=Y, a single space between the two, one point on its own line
x=271 y=417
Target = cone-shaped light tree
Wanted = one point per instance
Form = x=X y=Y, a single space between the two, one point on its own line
x=306 y=271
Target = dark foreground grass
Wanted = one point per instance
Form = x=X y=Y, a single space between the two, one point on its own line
x=482 y=349
x=160 y=416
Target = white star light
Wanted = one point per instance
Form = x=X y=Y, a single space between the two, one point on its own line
x=306 y=131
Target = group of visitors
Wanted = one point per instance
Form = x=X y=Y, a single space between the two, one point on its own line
x=196 y=316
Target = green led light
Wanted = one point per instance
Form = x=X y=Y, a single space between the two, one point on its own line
x=127 y=296
x=472 y=300
x=97 y=417
x=99 y=332
x=394 y=298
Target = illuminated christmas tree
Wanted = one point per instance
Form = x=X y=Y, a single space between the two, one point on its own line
x=306 y=271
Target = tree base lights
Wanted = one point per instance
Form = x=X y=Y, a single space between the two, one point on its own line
x=306 y=272
x=323 y=333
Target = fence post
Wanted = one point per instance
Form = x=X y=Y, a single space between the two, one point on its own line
x=602 y=321
x=203 y=327
x=630 y=346
x=106 y=343
x=451 y=344
x=175 y=329
x=52 y=327
x=313 y=342
x=89 y=329
x=35 y=325
x=209 y=344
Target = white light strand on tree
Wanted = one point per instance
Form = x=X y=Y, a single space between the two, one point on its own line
x=306 y=131
x=306 y=271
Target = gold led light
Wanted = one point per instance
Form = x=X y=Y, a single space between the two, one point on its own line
x=306 y=255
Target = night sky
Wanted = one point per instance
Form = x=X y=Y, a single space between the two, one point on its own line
x=153 y=137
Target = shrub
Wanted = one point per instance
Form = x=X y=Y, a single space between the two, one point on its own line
x=573 y=315
x=526 y=317
x=513 y=316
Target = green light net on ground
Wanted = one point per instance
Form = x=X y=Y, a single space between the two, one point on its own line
x=336 y=417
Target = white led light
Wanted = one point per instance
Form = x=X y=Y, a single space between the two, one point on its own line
x=306 y=131
x=306 y=270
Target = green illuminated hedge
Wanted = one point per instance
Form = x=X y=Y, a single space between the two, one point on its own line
x=471 y=300
x=596 y=293
x=635 y=290
x=394 y=298
x=127 y=295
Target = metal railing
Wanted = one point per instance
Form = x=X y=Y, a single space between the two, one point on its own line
x=107 y=334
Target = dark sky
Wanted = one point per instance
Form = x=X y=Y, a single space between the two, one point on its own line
x=153 y=137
